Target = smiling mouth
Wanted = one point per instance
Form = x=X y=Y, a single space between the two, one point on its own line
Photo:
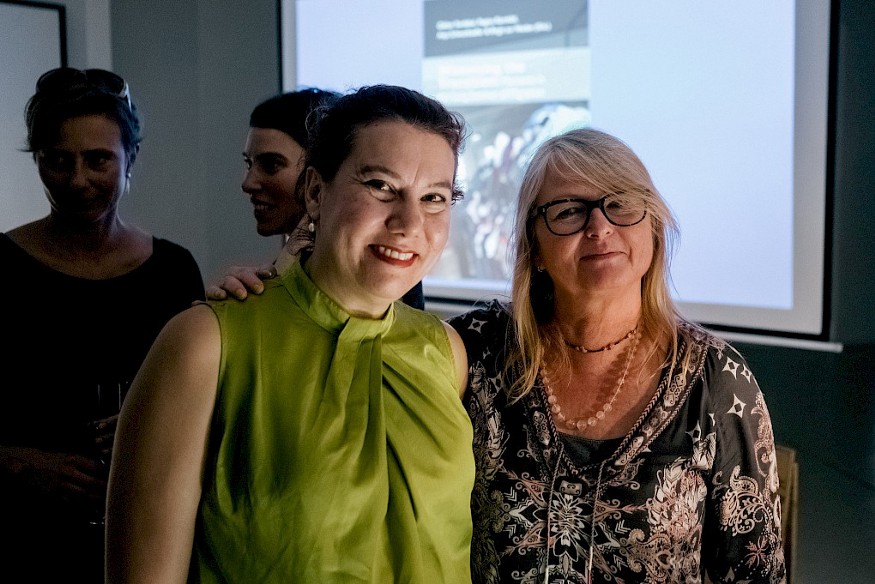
x=386 y=252
x=599 y=255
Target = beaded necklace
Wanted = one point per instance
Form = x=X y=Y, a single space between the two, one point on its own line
x=583 y=422
x=608 y=347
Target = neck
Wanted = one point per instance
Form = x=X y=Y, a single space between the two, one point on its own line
x=342 y=291
x=597 y=322
x=82 y=236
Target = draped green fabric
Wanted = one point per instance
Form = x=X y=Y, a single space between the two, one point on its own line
x=339 y=449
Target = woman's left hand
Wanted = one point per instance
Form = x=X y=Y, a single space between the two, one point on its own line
x=104 y=434
x=240 y=281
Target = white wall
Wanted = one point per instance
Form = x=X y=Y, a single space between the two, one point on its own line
x=29 y=46
x=196 y=70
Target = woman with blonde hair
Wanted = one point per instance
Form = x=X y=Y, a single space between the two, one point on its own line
x=614 y=441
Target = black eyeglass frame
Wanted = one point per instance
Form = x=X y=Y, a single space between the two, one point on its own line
x=590 y=206
x=66 y=78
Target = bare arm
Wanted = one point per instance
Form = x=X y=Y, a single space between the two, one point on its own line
x=461 y=358
x=159 y=452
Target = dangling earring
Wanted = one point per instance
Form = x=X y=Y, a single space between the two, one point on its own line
x=311 y=227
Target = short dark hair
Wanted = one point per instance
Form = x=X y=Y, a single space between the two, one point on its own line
x=47 y=110
x=291 y=112
x=334 y=132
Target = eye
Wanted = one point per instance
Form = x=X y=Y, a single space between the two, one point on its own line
x=54 y=160
x=567 y=212
x=271 y=165
x=97 y=160
x=247 y=163
x=380 y=189
x=620 y=204
x=435 y=202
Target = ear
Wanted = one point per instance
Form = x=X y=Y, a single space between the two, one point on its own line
x=131 y=158
x=313 y=190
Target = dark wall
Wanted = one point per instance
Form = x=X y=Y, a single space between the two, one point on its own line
x=853 y=232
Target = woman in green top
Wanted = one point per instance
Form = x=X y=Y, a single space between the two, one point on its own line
x=313 y=433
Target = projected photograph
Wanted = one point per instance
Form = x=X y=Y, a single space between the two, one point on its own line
x=501 y=141
x=519 y=73
x=743 y=171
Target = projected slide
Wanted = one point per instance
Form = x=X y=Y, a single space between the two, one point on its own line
x=725 y=102
x=519 y=73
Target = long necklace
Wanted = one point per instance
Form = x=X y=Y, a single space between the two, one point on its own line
x=583 y=422
x=608 y=347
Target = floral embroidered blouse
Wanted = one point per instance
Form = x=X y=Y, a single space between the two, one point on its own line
x=691 y=489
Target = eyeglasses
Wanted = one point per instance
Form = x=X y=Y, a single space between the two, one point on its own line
x=66 y=78
x=569 y=216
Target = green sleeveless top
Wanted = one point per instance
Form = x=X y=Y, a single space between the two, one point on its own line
x=339 y=450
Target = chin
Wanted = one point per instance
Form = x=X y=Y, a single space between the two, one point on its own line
x=394 y=293
x=267 y=231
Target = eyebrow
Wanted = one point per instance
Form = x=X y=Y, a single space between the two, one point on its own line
x=385 y=170
x=262 y=155
x=105 y=152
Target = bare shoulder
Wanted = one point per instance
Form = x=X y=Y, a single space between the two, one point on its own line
x=186 y=352
x=194 y=323
x=460 y=356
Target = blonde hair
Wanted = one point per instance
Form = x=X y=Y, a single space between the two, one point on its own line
x=606 y=164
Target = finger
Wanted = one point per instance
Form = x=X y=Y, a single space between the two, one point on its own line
x=104 y=440
x=246 y=276
x=216 y=293
x=234 y=287
x=252 y=282
x=107 y=422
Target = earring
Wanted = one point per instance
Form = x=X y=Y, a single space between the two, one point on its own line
x=540 y=269
x=311 y=227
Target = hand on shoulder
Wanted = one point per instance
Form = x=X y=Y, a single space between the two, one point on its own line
x=239 y=281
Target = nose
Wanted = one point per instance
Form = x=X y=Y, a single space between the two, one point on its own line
x=78 y=178
x=406 y=217
x=250 y=184
x=597 y=224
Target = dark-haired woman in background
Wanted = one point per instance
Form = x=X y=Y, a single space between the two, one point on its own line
x=273 y=156
x=313 y=433
x=70 y=346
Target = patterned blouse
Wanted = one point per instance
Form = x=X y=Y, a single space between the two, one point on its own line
x=692 y=488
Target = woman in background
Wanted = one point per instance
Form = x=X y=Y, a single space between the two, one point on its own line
x=313 y=433
x=614 y=441
x=96 y=299
x=279 y=132
x=274 y=157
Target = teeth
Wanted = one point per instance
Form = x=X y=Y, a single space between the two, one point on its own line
x=260 y=207
x=397 y=255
